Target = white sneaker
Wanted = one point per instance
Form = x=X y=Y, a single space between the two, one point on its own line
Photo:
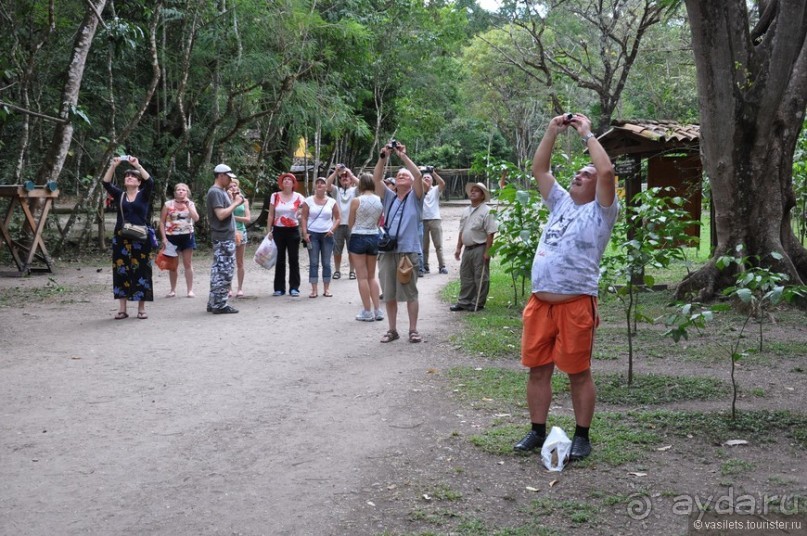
x=379 y=315
x=365 y=316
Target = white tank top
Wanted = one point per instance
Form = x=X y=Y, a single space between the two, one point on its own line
x=367 y=214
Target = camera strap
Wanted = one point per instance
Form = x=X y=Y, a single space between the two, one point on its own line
x=122 y=216
x=401 y=207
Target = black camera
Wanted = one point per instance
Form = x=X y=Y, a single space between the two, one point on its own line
x=429 y=169
x=568 y=118
x=393 y=143
x=340 y=166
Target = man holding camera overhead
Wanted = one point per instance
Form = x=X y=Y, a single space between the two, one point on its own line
x=561 y=315
x=433 y=186
x=403 y=209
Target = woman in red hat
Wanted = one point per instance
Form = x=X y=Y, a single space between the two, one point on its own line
x=284 y=214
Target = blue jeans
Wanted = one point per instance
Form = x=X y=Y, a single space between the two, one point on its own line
x=321 y=249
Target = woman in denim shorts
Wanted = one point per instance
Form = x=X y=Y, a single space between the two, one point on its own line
x=365 y=211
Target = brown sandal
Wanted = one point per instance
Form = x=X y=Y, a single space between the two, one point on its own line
x=414 y=336
x=391 y=335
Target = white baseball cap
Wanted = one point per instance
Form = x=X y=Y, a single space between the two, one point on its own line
x=223 y=168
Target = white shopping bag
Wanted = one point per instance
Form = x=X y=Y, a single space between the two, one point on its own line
x=555 y=452
x=266 y=254
x=170 y=250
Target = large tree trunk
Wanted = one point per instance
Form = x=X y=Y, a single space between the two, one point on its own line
x=752 y=85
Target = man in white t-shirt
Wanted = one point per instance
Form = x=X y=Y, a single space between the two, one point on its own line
x=343 y=191
x=433 y=186
x=561 y=315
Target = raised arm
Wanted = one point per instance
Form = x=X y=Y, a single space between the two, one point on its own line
x=606 y=186
x=329 y=182
x=111 y=169
x=378 y=172
x=441 y=184
x=541 y=163
x=223 y=212
x=417 y=176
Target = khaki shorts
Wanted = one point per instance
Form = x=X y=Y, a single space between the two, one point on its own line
x=388 y=276
x=559 y=333
x=340 y=238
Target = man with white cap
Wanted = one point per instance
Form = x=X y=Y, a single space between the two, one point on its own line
x=477 y=228
x=222 y=232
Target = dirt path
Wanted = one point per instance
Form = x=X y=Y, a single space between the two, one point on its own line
x=263 y=422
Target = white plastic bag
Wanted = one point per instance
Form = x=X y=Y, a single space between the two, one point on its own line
x=266 y=254
x=170 y=250
x=555 y=452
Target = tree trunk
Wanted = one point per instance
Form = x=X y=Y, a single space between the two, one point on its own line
x=124 y=135
x=753 y=94
x=63 y=134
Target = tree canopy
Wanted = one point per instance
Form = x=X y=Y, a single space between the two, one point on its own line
x=185 y=84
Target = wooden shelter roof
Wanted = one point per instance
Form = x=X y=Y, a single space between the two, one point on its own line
x=640 y=137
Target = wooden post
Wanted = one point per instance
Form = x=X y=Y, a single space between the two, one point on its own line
x=24 y=254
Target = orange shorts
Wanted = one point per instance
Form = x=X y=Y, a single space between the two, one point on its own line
x=559 y=333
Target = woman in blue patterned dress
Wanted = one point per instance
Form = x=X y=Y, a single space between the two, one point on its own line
x=131 y=259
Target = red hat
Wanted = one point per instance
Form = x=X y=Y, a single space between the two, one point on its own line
x=283 y=176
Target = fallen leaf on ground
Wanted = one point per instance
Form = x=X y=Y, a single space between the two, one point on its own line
x=735 y=442
x=432 y=371
x=553 y=483
x=665 y=447
x=530 y=488
x=427 y=496
x=635 y=473
x=371 y=503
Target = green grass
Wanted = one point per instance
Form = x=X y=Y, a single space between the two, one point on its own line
x=472 y=526
x=625 y=438
x=575 y=511
x=443 y=492
x=476 y=527
x=50 y=291
x=755 y=426
x=618 y=439
x=437 y=517
x=497 y=388
x=503 y=390
x=650 y=389
x=496 y=332
x=735 y=467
